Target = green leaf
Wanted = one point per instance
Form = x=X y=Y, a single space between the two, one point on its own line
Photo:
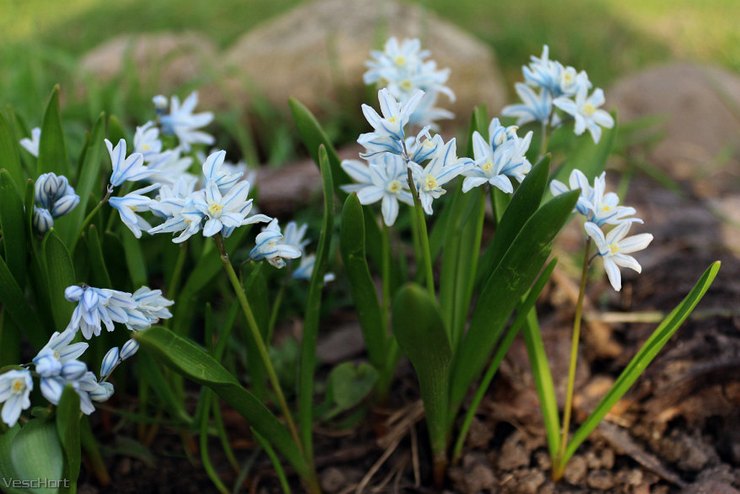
x=88 y=180
x=421 y=335
x=523 y=204
x=98 y=266
x=193 y=362
x=52 y=150
x=15 y=304
x=60 y=273
x=9 y=155
x=588 y=157
x=68 y=430
x=134 y=258
x=645 y=355
x=314 y=136
x=361 y=284
x=348 y=384
x=116 y=132
x=313 y=311
x=543 y=382
x=147 y=367
x=507 y=284
x=7 y=470
x=13 y=226
x=36 y=453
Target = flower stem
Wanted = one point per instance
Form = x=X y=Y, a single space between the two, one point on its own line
x=88 y=219
x=177 y=271
x=543 y=141
x=559 y=463
x=423 y=235
x=257 y=337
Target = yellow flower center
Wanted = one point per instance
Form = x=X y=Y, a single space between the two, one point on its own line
x=406 y=85
x=392 y=119
x=589 y=109
x=400 y=60
x=613 y=248
x=57 y=355
x=215 y=209
x=146 y=147
x=487 y=166
x=430 y=182
x=394 y=186
x=567 y=77
x=18 y=386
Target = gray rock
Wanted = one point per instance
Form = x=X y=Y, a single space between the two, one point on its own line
x=698 y=107
x=164 y=60
x=316 y=53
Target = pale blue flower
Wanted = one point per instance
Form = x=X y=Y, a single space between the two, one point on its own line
x=147 y=142
x=571 y=81
x=53 y=193
x=585 y=109
x=543 y=72
x=129 y=349
x=182 y=122
x=305 y=270
x=168 y=167
x=32 y=145
x=224 y=213
x=388 y=184
x=577 y=180
x=423 y=146
x=215 y=171
x=594 y=203
x=73 y=370
x=126 y=169
x=187 y=221
x=442 y=168
x=152 y=304
x=359 y=172
x=110 y=362
x=495 y=165
x=58 y=351
x=43 y=221
x=132 y=203
x=102 y=392
x=615 y=247
x=15 y=391
x=294 y=235
x=96 y=307
x=388 y=134
x=270 y=246
x=534 y=107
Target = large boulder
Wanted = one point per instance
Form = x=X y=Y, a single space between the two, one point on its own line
x=164 y=61
x=316 y=53
x=700 y=120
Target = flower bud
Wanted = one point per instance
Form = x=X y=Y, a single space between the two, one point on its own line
x=42 y=220
x=110 y=361
x=64 y=205
x=129 y=349
x=73 y=370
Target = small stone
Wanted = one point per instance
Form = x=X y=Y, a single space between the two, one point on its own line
x=530 y=481
x=607 y=458
x=632 y=477
x=480 y=478
x=600 y=479
x=480 y=434
x=332 y=480
x=575 y=472
x=543 y=460
x=124 y=466
x=513 y=453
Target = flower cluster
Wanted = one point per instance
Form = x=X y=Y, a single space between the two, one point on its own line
x=403 y=69
x=548 y=84
x=392 y=170
x=53 y=197
x=601 y=208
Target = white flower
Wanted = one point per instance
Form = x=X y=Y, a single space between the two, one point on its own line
x=32 y=145
x=169 y=167
x=597 y=206
x=152 y=305
x=614 y=247
x=502 y=157
x=571 y=81
x=534 y=107
x=388 y=134
x=146 y=141
x=15 y=391
x=182 y=122
x=305 y=270
x=577 y=180
x=585 y=109
x=96 y=306
x=185 y=219
x=442 y=168
x=58 y=351
x=388 y=184
x=270 y=245
x=129 y=168
x=293 y=235
x=423 y=146
x=224 y=213
x=132 y=203
x=215 y=171
x=543 y=72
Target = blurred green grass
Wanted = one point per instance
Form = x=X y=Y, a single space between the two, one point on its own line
x=41 y=40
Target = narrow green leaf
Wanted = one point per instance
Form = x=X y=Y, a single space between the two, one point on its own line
x=52 y=150
x=134 y=259
x=421 y=335
x=98 y=266
x=195 y=363
x=348 y=384
x=116 y=132
x=13 y=226
x=68 y=430
x=9 y=155
x=88 y=180
x=60 y=273
x=148 y=368
x=543 y=382
x=314 y=136
x=7 y=470
x=645 y=355
x=523 y=204
x=313 y=311
x=15 y=304
x=361 y=284
x=507 y=284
